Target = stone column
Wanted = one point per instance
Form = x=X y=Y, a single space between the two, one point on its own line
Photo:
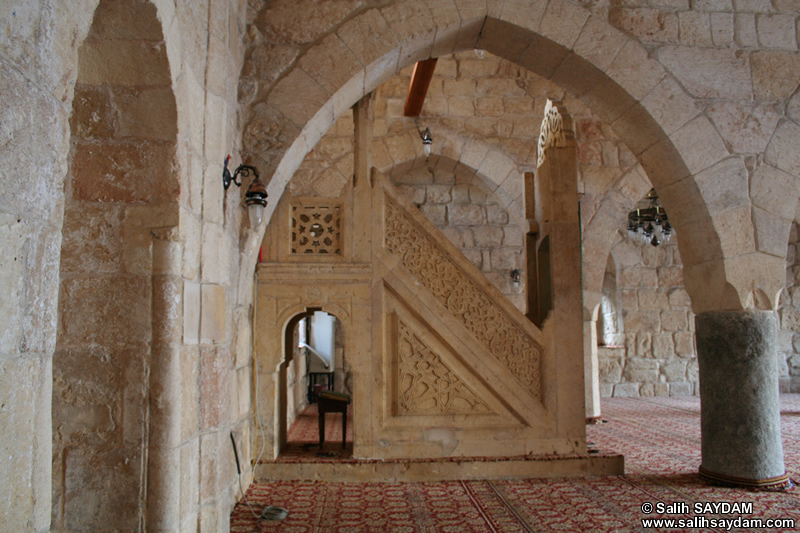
x=740 y=410
x=591 y=370
x=163 y=468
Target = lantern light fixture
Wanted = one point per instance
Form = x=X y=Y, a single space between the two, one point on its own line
x=516 y=276
x=427 y=140
x=650 y=224
x=256 y=196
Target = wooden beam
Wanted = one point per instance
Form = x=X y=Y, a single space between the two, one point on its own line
x=418 y=88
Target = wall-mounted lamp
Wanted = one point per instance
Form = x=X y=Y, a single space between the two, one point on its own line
x=256 y=196
x=516 y=276
x=427 y=139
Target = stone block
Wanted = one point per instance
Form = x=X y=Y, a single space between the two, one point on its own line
x=635 y=71
x=475 y=256
x=598 y=43
x=790 y=319
x=642 y=345
x=642 y=320
x=626 y=390
x=488 y=236
x=562 y=22
x=190 y=392
x=214 y=387
x=465 y=215
x=190 y=476
x=782 y=151
x=101 y=64
x=461 y=193
x=709 y=72
x=649 y=25
x=679 y=298
x=722 y=27
x=771 y=231
x=438 y=194
x=489 y=106
x=437 y=214
x=630 y=300
x=663 y=346
x=640 y=371
x=213 y=313
x=92 y=236
x=109 y=311
x=606 y=390
x=768 y=190
x=674 y=320
x=745 y=128
x=670 y=277
x=215 y=254
x=512 y=236
x=652 y=300
x=495 y=214
x=699 y=144
x=464 y=86
x=147 y=113
x=414 y=194
x=99 y=489
x=610 y=370
x=505 y=259
x=131 y=172
x=681 y=389
x=745 y=33
x=777 y=31
x=695 y=28
x=191 y=313
x=461 y=106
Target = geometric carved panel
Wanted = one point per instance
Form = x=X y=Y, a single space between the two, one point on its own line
x=462 y=297
x=317 y=229
x=426 y=385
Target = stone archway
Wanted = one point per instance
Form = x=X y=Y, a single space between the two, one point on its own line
x=637 y=93
x=121 y=205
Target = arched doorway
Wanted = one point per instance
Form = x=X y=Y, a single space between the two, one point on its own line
x=313 y=361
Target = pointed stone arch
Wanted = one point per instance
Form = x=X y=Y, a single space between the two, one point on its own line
x=117 y=327
x=608 y=70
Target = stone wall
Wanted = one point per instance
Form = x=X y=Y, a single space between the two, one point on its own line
x=658 y=357
x=788 y=345
x=468 y=214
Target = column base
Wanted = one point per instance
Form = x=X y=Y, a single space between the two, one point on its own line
x=774 y=483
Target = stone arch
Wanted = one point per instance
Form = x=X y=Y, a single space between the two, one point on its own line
x=610 y=327
x=560 y=41
x=121 y=206
x=469 y=155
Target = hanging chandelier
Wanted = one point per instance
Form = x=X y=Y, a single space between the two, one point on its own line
x=650 y=224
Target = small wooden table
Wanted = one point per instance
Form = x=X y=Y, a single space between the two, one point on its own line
x=333 y=402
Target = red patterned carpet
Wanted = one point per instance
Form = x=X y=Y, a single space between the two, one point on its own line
x=303 y=437
x=660 y=438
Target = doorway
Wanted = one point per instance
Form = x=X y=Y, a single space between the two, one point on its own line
x=314 y=362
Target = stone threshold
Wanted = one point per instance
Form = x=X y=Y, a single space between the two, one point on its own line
x=446 y=469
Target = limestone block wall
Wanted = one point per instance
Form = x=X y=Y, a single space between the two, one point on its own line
x=659 y=356
x=469 y=215
x=788 y=345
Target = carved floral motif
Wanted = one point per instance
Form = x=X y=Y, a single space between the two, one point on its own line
x=552 y=131
x=487 y=322
x=316 y=229
x=426 y=385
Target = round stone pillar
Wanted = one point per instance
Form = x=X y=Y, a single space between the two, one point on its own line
x=740 y=409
